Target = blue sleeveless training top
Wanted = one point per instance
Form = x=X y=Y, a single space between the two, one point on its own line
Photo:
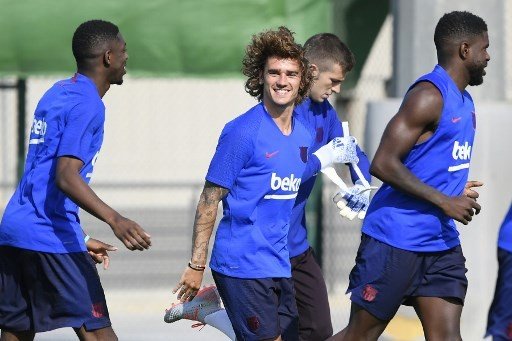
x=442 y=162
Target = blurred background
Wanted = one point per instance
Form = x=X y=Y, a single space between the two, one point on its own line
x=184 y=83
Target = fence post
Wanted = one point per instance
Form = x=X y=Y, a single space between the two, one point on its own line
x=21 y=87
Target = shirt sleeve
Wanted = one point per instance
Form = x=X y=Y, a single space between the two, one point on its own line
x=234 y=150
x=335 y=129
x=80 y=126
x=312 y=168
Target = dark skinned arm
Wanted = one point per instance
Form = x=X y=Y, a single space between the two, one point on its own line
x=70 y=182
x=206 y=214
x=415 y=122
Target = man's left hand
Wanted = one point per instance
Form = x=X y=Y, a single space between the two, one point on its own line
x=354 y=201
x=98 y=250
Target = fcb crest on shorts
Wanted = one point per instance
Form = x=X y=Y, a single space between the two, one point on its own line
x=509 y=330
x=99 y=310
x=304 y=154
x=253 y=323
x=369 y=293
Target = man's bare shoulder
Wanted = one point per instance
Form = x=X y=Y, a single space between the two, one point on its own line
x=424 y=102
x=425 y=93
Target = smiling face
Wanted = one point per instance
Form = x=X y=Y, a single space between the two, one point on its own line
x=281 y=81
x=118 y=57
x=326 y=82
x=478 y=59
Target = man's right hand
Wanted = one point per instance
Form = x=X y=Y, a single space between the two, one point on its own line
x=461 y=208
x=469 y=191
x=130 y=233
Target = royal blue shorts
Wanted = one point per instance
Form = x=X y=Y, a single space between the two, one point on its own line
x=45 y=291
x=499 y=321
x=385 y=277
x=259 y=309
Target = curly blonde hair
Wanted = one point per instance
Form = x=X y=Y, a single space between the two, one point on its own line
x=280 y=44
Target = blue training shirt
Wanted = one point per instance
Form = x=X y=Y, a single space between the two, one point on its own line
x=505 y=235
x=68 y=121
x=322 y=119
x=441 y=162
x=262 y=169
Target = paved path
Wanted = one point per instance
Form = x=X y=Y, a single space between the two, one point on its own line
x=138 y=316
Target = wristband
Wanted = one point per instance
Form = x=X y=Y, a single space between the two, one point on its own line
x=196 y=267
x=86 y=238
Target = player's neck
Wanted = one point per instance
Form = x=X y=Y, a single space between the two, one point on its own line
x=98 y=79
x=459 y=77
x=284 y=123
x=282 y=116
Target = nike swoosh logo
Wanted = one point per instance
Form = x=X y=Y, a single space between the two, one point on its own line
x=269 y=155
x=456 y=119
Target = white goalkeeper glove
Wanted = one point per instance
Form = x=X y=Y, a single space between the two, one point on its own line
x=338 y=150
x=353 y=201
